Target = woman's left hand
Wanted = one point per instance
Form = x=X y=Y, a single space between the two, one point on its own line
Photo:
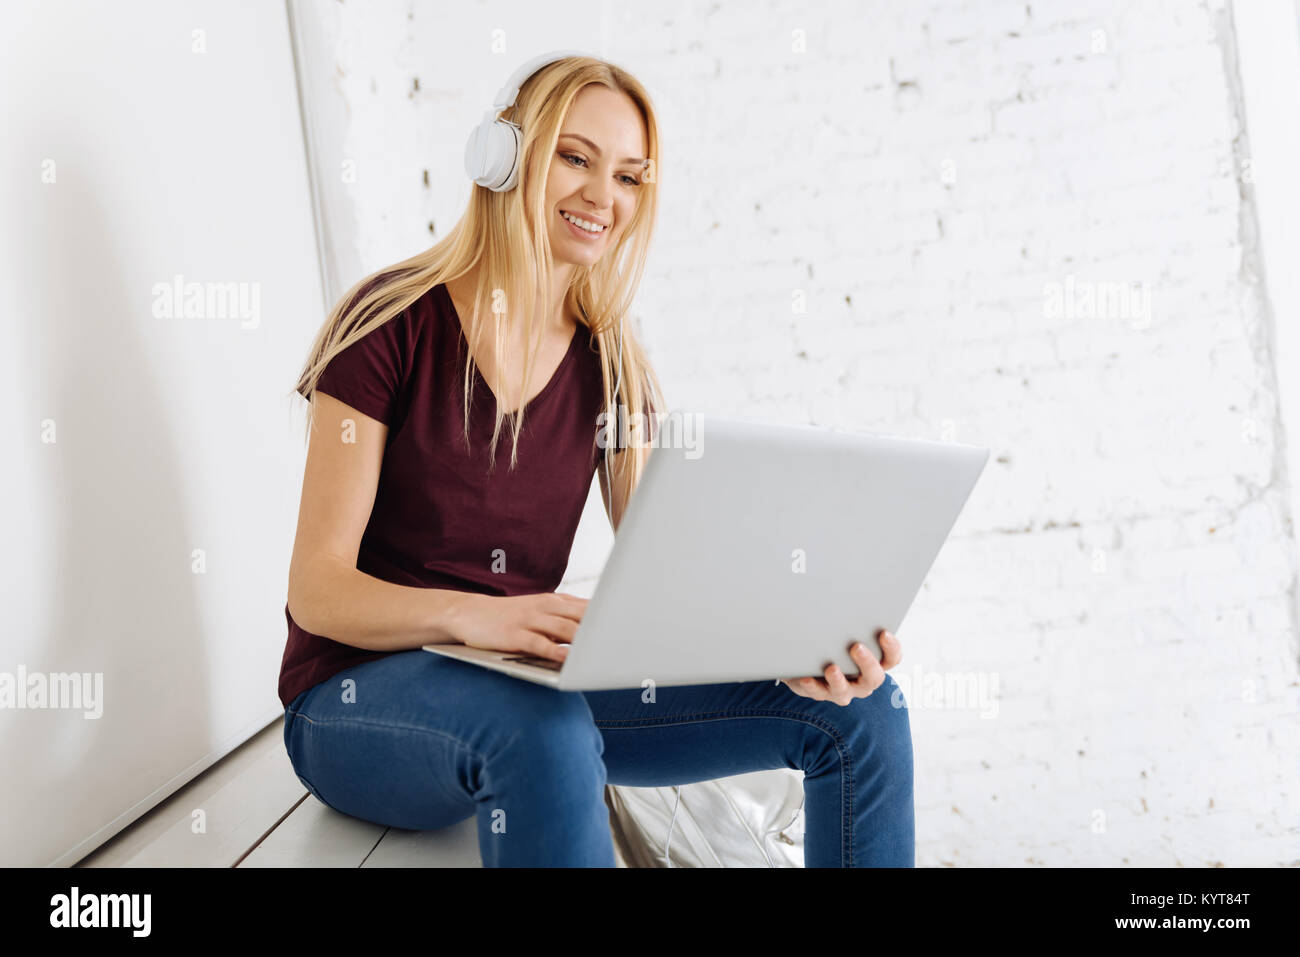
x=836 y=687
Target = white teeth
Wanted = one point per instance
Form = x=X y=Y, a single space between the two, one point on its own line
x=582 y=223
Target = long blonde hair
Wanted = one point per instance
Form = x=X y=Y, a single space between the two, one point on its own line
x=506 y=233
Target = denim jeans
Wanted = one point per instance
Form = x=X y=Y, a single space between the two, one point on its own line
x=419 y=741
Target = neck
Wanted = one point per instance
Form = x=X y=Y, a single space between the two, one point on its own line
x=560 y=276
x=462 y=289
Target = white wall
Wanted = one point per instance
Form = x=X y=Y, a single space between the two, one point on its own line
x=152 y=463
x=925 y=175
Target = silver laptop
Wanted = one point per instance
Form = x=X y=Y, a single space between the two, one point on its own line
x=753 y=551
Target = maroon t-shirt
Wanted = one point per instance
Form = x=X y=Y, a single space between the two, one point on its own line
x=438 y=515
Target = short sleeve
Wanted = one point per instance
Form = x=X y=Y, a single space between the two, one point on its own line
x=368 y=374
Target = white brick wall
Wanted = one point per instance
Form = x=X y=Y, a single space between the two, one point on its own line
x=1125 y=569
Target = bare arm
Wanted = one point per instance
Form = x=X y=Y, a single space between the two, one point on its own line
x=328 y=595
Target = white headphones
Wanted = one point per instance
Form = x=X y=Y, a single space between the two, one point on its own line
x=493 y=153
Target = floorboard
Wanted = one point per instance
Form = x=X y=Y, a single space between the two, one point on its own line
x=315 y=835
x=163 y=836
x=455 y=846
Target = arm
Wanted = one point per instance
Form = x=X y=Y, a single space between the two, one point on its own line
x=328 y=595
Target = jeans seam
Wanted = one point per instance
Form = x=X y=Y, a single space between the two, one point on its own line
x=392 y=725
x=846 y=765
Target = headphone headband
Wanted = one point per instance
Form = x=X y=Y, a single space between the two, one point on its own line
x=517 y=79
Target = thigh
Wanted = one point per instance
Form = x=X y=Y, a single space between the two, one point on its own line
x=404 y=740
x=691 y=733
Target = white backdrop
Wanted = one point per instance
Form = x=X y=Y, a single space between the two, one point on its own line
x=153 y=453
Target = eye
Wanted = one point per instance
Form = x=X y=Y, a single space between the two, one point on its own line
x=574 y=158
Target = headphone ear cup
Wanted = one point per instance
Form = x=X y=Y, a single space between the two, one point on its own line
x=509 y=151
x=492 y=154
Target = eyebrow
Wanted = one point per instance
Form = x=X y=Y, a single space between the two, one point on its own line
x=639 y=160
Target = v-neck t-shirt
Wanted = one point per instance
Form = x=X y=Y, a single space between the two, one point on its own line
x=439 y=519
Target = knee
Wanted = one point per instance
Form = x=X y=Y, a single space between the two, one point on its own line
x=881 y=721
x=888 y=700
x=875 y=728
x=553 y=730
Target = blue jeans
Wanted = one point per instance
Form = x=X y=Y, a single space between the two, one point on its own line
x=419 y=741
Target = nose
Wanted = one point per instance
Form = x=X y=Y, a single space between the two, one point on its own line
x=598 y=196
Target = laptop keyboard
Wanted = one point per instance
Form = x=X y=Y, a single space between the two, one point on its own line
x=537 y=662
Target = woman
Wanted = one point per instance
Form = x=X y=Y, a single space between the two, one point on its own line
x=411 y=533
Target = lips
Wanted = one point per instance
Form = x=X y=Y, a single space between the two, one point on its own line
x=585 y=218
x=580 y=234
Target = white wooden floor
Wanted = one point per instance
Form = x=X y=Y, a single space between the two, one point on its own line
x=256 y=813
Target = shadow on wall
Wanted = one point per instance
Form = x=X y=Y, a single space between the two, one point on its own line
x=121 y=594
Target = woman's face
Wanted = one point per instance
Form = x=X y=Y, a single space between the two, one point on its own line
x=595 y=174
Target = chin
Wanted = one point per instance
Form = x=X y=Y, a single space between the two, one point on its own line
x=564 y=255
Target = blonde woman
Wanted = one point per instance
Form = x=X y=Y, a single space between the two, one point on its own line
x=412 y=529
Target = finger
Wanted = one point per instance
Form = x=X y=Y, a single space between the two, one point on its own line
x=840 y=692
x=813 y=688
x=870 y=673
x=817 y=688
x=556 y=628
x=569 y=606
x=793 y=685
x=891 y=648
x=540 y=646
x=873 y=675
x=862 y=657
x=866 y=680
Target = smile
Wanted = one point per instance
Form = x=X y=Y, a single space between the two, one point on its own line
x=584 y=229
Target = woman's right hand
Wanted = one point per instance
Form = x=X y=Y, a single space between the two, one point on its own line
x=542 y=625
